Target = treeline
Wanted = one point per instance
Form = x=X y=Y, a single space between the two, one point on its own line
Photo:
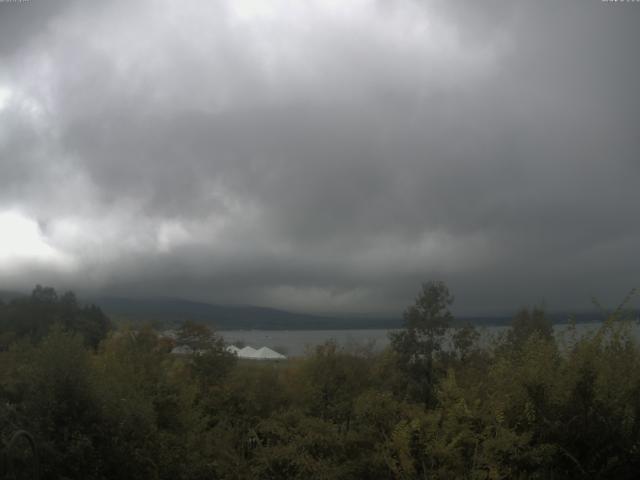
x=31 y=318
x=115 y=404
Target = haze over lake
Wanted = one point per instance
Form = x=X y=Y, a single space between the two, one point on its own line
x=298 y=342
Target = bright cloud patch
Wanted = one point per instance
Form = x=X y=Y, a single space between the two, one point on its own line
x=22 y=242
x=5 y=96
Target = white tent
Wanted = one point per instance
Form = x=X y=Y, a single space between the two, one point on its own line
x=265 y=353
x=233 y=349
x=247 y=352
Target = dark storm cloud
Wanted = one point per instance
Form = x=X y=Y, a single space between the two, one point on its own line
x=326 y=155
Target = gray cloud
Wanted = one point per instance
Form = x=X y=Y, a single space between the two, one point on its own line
x=323 y=156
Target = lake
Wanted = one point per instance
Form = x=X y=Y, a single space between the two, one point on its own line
x=297 y=342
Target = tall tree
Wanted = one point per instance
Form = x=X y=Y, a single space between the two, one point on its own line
x=425 y=323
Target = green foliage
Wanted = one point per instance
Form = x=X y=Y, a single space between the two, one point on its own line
x=330 y=380
x=532 y=406
x=527 y=323
x=465 y=340
x=418 y=345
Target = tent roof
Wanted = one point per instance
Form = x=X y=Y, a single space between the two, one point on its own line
x=247 y=352
x=267 y=353
x=263 y=353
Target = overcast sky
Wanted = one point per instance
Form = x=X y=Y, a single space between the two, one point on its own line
x=322 y=156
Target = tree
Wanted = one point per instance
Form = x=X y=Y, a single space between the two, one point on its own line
x=425 y=324
x=464 y=339
x=211 y=361
x=333 y=380
x=32 y=317
x=528 y=322
x=196 y=336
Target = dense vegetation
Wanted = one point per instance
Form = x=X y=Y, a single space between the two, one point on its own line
x=108 y=403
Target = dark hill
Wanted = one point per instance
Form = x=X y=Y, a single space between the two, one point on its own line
x=224 y=317
x=171 y=311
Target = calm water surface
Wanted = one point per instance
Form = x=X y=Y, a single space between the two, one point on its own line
x=297 y=342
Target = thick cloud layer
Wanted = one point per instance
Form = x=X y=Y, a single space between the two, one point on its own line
x=322 y=155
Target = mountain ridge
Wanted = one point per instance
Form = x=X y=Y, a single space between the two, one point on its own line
x=231 y=317
x=240 y=317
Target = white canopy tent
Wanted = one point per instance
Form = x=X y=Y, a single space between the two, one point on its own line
x=247 y=352
x=263 y=353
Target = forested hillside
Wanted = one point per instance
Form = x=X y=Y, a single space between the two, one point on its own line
x=169 y=312
x=103 y=403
